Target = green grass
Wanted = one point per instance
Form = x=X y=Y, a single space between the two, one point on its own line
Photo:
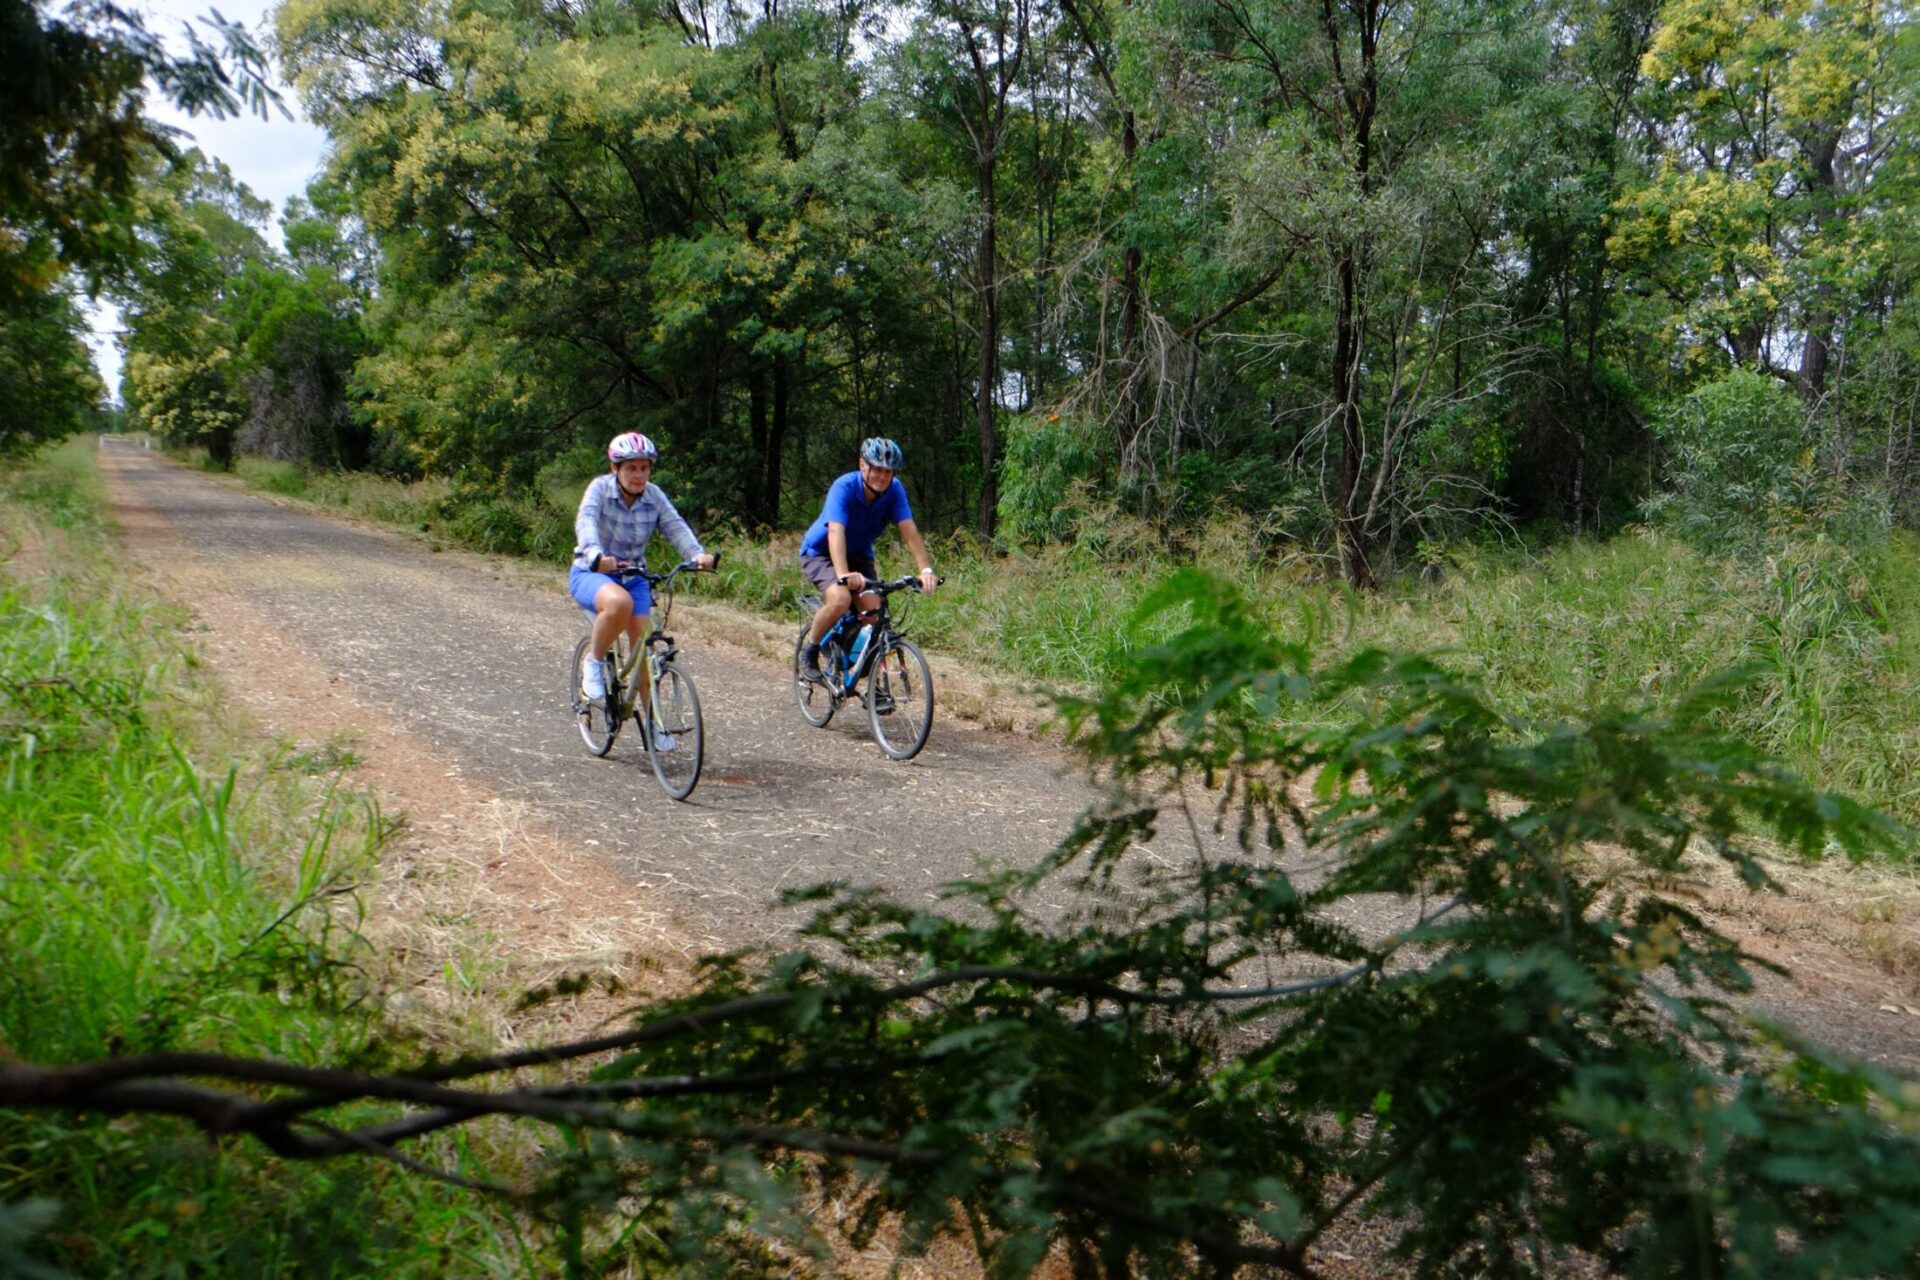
x=150 y=901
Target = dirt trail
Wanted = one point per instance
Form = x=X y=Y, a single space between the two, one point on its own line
x=444 y=675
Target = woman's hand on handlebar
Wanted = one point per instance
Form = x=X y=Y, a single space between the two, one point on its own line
x=704 y=562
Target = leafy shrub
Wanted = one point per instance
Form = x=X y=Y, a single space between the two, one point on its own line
x=527 y=525
x=1167 y=1066
x=1733 y=449
x=1047 y=462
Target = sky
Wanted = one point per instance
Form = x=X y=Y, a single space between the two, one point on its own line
x=275 y=158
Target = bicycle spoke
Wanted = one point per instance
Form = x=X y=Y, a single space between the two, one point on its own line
x=816 y=702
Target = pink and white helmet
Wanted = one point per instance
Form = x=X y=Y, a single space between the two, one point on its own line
x=630 y=444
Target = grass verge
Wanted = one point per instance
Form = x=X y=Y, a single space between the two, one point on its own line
x=151 y=900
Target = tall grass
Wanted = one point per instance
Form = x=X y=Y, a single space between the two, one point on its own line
x=150 y=902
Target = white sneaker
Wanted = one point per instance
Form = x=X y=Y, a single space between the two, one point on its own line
x=664 y=741
x=593 y=680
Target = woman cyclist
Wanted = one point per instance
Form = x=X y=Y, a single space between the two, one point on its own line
x=619 y=513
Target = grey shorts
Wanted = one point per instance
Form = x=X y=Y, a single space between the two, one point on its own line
x=819 y=570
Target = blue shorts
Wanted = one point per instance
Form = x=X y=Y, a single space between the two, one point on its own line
x=584 y=585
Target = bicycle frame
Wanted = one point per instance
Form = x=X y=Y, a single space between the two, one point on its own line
x=644 y=674
x=898 y=696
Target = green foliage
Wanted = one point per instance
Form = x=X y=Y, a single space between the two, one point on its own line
x=46 y=373
x=1735 y=447
x=1048 y=464
x=530 y=525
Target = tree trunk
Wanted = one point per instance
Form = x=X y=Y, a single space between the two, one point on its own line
x=1350 y=527
x=983 y=404
x=1127 y=420
x=1820 y=319
x=777 y=435
x=758 y=443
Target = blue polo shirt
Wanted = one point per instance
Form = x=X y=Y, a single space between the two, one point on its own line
x=865 y=521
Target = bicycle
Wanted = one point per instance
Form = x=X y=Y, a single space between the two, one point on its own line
x=672 y=729
x=898 y=691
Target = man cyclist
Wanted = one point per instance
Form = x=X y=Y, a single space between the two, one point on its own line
x=837 y=553
x=619 y=512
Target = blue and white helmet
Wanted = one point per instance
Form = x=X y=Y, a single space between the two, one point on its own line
x=628 y=445
x=881 y=452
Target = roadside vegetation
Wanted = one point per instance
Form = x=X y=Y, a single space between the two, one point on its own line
x=1428 y=399
x=167 y=885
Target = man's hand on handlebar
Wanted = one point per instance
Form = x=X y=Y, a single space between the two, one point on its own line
x=854 y=582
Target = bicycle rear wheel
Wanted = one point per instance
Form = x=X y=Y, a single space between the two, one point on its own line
x=816 y=701
x=900 y=699
x=599 y=723
x=677 y=743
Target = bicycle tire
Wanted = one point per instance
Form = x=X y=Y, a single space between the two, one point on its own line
x=900 y=699
x=817 y=703
x=675 y=708
x=599 y=723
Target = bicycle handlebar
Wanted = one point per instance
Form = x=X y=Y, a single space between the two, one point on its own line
x=910 y=582
x=627 y=568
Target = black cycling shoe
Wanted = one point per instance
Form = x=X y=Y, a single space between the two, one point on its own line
x=810 y=666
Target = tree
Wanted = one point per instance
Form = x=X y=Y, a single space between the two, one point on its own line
x=47 y=378
x=73 y=141
x=966 y=63
x=201 y=252
x=1773 y=121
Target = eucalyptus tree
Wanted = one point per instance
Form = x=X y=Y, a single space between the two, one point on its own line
x=1357 y=170
x=962 y=69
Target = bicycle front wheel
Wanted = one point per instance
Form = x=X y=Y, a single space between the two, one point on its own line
x=900 y=699
x=599 y=725
x=815 y=699
x=677 y=741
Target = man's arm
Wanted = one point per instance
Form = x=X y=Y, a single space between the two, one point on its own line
x=910 y=534
x=837 y=552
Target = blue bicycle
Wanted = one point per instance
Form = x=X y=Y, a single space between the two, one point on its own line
x=869 y=659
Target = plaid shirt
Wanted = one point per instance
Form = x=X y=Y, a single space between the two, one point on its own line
x=606 y=525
